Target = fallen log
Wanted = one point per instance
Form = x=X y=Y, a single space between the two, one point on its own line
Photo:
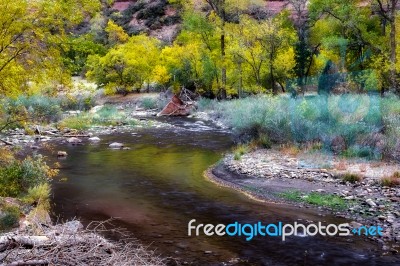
x=7 y=142
x=24 y=240
x=76 y=136
x=27 y=262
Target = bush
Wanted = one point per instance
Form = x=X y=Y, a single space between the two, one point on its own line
x=351 y=178
x=10 y=217
x=17 y=176
x=30 y=109
x=79 y=122
x=313 y=119
x=149 y=103
x=38 y=195
x=392 y=181
x=240 y=150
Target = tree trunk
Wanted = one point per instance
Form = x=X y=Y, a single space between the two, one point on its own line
x=223 y=70
x=393 y=73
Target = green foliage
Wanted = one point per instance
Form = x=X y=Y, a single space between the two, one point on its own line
x=241 y=150
x=125 y=67
x=16 y=177
x=9 y=218
x=38 y=195
x=317 y=118
x=78 y=122
x=77 y=50
x=33 y=35
x=149 y=103
x=391 y=181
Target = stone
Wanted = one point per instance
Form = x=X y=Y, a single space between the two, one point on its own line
x=370 y=202
x=94 y=139
x=354 y=224
x=116 y=145
x=74 y=141
x=62 y=154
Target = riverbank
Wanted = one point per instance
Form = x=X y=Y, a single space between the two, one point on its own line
x=271 y=175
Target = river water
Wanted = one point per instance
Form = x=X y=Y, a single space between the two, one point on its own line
x=155 y=188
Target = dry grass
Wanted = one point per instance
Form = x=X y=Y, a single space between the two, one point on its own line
x=391 y=181
x=341 y=165
x=363 y=168
x=351 y=178
x=290 y=149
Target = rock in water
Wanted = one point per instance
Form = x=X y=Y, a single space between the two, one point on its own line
x=116 y=145
x=94 y=139
x=62 y=154
x=74 y=141
x=370 y=202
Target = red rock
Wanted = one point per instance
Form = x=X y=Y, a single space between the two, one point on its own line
x=175 y=108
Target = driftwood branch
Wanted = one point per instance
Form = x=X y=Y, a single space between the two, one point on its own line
x=70 y=244
x=7 y=142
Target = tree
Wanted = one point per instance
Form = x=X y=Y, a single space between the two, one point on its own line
x=387 y=10
x=304 y=52
x=116 y=33
x=127 y=66
x=32 y=36
x=226 y=11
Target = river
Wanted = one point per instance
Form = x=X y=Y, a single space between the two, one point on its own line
x=155 y=188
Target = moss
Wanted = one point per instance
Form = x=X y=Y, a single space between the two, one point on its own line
x=315 y=198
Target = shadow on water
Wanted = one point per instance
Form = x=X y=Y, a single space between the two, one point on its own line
x=155 y=188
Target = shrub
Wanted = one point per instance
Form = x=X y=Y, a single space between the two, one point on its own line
x=79 y=122
x=240 y=150
x=149 y=103
x=38 y=195
x=18 y=176
x=39 y=108
x=9 y=218
x=391 y=181
x=264 y=141
x=351 y=178
x=313 y=119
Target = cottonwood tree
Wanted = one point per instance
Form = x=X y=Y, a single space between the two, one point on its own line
x=126 y=66
x=226 y=11
x=303 y=49
x=31 y=38
x=387 y=9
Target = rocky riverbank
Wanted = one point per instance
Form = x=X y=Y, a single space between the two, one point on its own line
x=272 y=175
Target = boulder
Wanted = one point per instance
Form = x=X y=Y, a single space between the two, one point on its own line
x=74 y=141
x=62 y=154
x=116 y=145
x=94 y=139
x=176 y=107
x=95 y=109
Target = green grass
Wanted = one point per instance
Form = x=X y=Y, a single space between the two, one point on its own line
x=106 y=116
x=314 y=198
x=79 y=122
x=240 y=150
